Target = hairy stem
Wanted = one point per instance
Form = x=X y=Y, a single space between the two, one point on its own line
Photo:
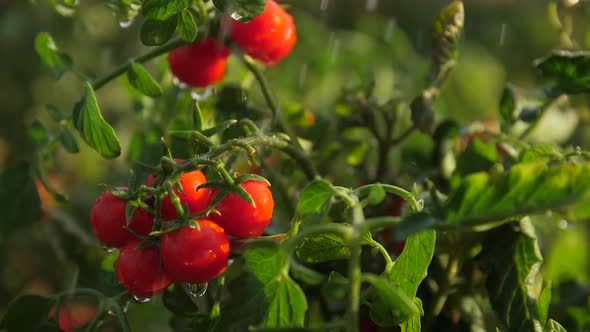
x=99 y=83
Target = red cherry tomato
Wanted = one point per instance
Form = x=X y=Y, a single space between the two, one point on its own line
x=108 y=220
x=195 y=256
x=64 y=318
x=367 y=325
x=269 y=37
x=200 y=64
x=140 y=270
x=197 y=200
x=240 y=219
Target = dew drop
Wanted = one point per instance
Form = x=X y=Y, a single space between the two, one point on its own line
x=208 y=92
x=141 y=299
x=195 y=290
x=108 y=250
x=179 y=83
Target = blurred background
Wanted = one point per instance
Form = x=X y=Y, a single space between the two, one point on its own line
x=342 y=44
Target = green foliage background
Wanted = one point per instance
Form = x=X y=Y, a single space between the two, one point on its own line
x=344 y=43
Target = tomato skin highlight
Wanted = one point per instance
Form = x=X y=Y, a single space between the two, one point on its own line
x=269 y=37
x=108 y=221
x=199 y=64
x=140 y=270
x=195 y=256
x=240 y=219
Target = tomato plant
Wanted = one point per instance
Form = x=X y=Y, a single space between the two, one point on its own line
x=254 y=165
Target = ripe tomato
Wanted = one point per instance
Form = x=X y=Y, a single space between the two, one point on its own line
x=200 y=64
x=240 y=219
x=108 y=220
x=64 y=318
x=269 y=37
x=140 y=270
x=197 y=200
x=195 y=256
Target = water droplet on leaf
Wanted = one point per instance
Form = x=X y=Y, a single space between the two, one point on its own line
x=108 y=250
x=202 y=96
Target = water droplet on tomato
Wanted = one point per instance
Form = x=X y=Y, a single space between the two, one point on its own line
x=195 y=290
x=208 y=92
x=108 y=250
x=141 y=299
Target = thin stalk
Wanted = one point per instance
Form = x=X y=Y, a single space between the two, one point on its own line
x=384 y=253
x=99 y=83
x=441 y=297
x=354 y=268
x=269 y=98
x=546 y=106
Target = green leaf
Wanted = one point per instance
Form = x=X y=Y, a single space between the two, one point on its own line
x=18 y=198
x=413 y=324
x=553 y=326
x=512 y=259
x=56 y=60
x=445 y=36
x=323 y=247
x=508 y=105
x=163 y=9
x=156 y=32
x=540 y=153
x=392 y=306
x=316 y=198
x=241 y=10
x=54 y=113
x=141 y=79
x=264 y=295
x=411 y=266
x=26 y=313
x=336 y=287
x=39 y=132
x=543 y=303
x=529 y=187
x=67 y=140
x=477 y=157
x=570 y=71
x=187 y=28
x=95 y=131
x=406 y=275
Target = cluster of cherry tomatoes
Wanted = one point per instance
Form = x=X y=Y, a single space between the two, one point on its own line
x=269 y=38
x=193 y=253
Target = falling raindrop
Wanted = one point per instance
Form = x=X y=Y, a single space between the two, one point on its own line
x=324 y=4
x=108 y=250
x=202 y=96
x=141 y=299
x=562 y=224
x=125 y=24
x=335 y=48
x=195 y=290
x=502 y=35
x=389 y=28
x=303 y=74
x=372 y=5
x=571 y=3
